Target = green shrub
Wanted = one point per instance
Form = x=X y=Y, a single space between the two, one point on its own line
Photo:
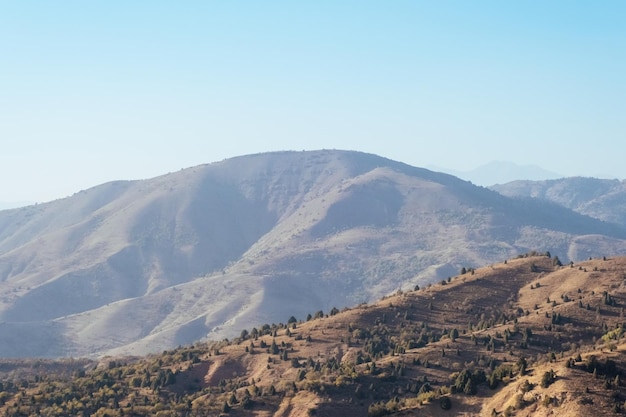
x=445 y=403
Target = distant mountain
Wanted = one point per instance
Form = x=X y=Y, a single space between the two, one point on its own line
x=500 y=172
x=141 y=266
x=599 y=198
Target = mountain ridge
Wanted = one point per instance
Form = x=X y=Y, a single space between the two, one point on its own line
x=141 y=266
x=501 y=172
x=603 y=199
x=526 y=336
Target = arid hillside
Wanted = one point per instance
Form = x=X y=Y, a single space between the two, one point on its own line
x=598 y=198
x=143 y=266
x=525 y=337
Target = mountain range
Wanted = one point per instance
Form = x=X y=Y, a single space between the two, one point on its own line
x=598 y=198
x=132 y=267
x=501 y=172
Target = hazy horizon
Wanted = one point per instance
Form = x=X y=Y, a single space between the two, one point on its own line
x=95 y=92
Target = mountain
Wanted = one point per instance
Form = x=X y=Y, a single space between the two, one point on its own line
x=500 y=172
x=521 y=337
x=598 y=198
x=133 y=267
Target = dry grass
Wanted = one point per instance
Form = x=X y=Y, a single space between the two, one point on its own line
x=487 y=294
x=493 y=303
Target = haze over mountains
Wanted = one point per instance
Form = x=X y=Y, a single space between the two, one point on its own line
x=140 y=266
x=501 y=172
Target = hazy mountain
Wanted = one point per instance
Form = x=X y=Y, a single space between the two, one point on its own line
x=138 y=266
x=599 y=198
x=500 y=172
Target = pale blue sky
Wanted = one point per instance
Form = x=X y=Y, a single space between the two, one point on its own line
x=103 y=90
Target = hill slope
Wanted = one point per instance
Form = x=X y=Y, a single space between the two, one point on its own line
x=525 y=337
x=599 y=198
x=134 y=267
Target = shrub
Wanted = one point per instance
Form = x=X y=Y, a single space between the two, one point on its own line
x=548 y=378
x=377 y=410
x=445 y=403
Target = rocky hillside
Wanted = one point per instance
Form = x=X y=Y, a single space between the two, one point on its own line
x=518 y=338
x=598 y=198
x=142 y=266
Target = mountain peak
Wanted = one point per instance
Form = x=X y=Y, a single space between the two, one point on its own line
x=141 y=266
x=500 y=172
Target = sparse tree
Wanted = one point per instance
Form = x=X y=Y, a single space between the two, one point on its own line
x=454 y=333
x=548 y=378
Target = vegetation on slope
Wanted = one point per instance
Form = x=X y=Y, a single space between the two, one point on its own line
x=142 y=266
x=527 y=336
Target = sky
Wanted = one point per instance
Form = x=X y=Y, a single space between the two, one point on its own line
x=97 y=91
